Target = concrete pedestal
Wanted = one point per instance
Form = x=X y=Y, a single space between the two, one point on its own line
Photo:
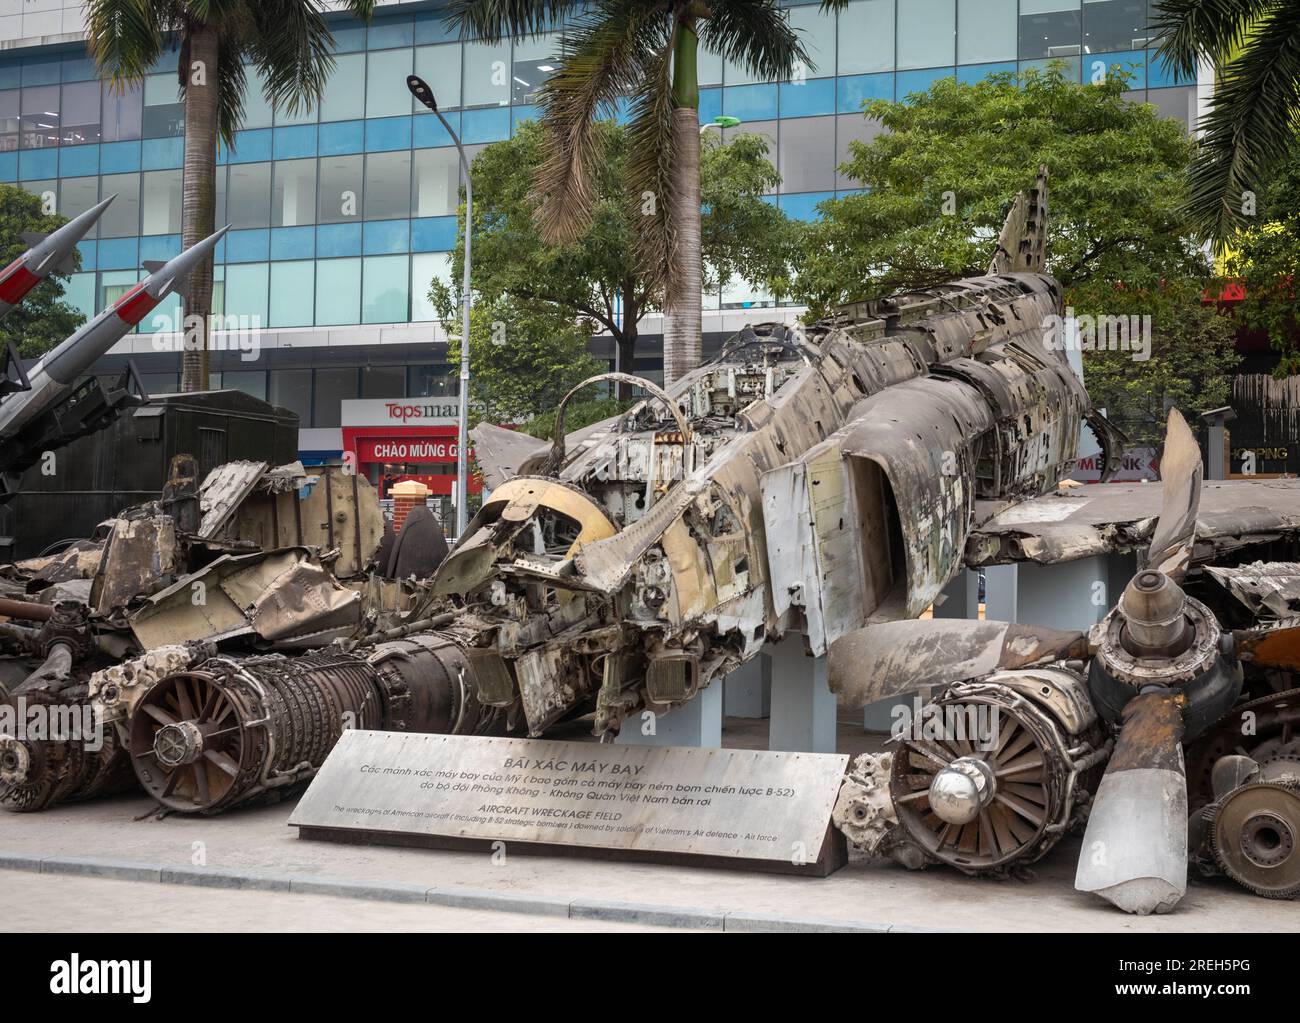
x=803 y=706
x=961 y=597
x=1069 y=595
x=747 y=691
x=697 y=722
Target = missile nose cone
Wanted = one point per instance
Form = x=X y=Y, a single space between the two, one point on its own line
x=83 y=222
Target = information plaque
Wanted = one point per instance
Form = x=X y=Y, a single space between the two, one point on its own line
x=720 y=807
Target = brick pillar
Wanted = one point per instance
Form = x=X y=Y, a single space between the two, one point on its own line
x=406 y=495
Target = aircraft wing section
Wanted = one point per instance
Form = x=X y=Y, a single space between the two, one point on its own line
x=1119 y=517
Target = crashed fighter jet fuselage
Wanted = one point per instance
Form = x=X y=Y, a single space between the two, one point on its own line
x=802 y=481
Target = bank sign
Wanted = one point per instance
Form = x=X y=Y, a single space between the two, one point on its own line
x=400 y=412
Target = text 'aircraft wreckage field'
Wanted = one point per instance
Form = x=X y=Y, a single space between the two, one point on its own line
x=826 y=481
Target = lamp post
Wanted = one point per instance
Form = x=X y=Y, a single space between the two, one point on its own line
x=720 y=122
x=421 y=91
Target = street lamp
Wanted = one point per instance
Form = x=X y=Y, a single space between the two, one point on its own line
x=720 y=122
x=421 y=91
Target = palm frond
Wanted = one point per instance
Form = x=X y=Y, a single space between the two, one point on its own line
x=754 y=34
x=1214 y=28
x=604 y=61
x=231 y=89
x=292 y=48
x=493 y=20
x=1250 y=126
x=651 y=176
x=124 y=37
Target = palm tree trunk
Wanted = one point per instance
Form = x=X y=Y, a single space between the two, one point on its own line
x=682 y=321
x=199 y=197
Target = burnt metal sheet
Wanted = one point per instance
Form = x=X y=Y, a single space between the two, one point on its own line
x=270 y=595
x=222 y=491
x=890 y=658
x=751 y=805
x=499 y=452
x=1269 y=588
x=1119 y=517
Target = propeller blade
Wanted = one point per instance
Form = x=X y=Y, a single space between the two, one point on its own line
x=1180 y=497
x=1135 y=849
x=1276 y=645
x=890 y=658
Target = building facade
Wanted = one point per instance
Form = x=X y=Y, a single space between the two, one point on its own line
x=342 y=215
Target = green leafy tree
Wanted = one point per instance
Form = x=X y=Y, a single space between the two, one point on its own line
x=525 y=357
x=939 y=180
x=1266 y=259
x=42 y=319
x=285 y=43
x=1254 y=46
x=1190 y=364
x=939 y=183
x=597 y=278
x=645 y=50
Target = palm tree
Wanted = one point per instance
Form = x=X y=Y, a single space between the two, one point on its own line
x=1254 y=46
x=645 y=50
x=285 y=42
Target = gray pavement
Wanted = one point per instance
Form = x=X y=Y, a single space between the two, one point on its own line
x=119 y=837
x=95 y=904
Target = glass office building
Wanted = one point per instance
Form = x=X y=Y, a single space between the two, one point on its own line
x=343 y=214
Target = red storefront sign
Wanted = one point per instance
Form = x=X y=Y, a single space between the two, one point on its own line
x=408 y=445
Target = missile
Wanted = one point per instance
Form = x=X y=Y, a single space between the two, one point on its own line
x=59 y=369
x=46 y=254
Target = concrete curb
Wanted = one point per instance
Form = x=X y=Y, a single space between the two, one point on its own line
x=688 y=917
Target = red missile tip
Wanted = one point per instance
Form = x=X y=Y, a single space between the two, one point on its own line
x=135 y=305
x=15 y=281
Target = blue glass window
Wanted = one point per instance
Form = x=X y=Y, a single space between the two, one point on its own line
x=804 y=99
x=858 y=89
x=294 y=142
x=750 y=102
x=382 y=237
x=490 y=124
x=246 y=291
x=119 y=157
x=973 y=73
x=920 y=81
x=75 y=161
x=433 y=234
x=338 y=291
x=337 y=139
x=804 y=206
x=248 y=246
x=388 y=133
x=1161 y=75
x=391 y=31
x=118 y=254
x=293 y=242
x=252 y=146
x=293 y=294
x=385 y=289
x=160 y=154
x=338 y=240
x=428 y=132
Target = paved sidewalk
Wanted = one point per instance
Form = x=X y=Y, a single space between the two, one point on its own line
x=255 y=848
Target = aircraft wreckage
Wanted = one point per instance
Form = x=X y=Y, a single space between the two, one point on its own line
x=826 y=481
